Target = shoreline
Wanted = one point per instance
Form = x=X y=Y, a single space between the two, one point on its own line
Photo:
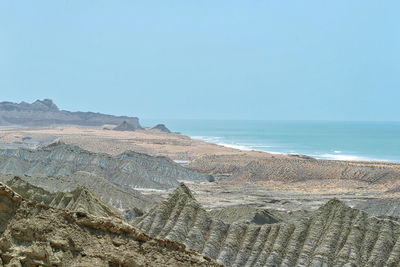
x=333 y=156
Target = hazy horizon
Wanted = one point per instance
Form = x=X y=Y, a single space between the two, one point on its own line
x=226 y=60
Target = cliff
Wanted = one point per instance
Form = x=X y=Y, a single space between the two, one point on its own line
x=46 y=113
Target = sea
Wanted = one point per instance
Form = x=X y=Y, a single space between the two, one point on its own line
x=355 y=141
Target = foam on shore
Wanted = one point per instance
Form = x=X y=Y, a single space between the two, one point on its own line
x=334 y=155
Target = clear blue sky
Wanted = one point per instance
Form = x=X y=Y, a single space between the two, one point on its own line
x=291 y=60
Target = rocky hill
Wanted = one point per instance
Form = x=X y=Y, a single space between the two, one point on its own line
x=32 y=234
x=45 y=113
x=161 y=128
x=333 y=235
x=131 y=169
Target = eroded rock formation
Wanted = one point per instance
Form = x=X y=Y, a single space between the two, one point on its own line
x=333 y=235
x=127 y=169
x=119 y=197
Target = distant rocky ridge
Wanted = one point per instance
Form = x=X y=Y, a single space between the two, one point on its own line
x=295 y=169
x=46 y=113
x=298 y=169
x=131 y=169
x=333 y=235
x=33 y=234
x=79 y=199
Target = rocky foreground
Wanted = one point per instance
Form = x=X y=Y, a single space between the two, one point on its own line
x=78 y=229
x=333 y=235
x=33 y=234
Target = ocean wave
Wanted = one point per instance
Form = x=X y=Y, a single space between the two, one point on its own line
x=273 y=152
x=240 y=147
x=210 y=139
x=341 y=157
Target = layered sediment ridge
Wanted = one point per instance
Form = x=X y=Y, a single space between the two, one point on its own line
x=32 y=234
x=333 y=235
x=78 y=200
x=131 y=169
x=119 y=197
x=300 y=170
x=291 y=169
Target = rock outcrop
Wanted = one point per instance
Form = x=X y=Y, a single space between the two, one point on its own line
x=32 y=234
x=333 y=235
x=125 y=126
x=45 y=113
x=161 y=128
x=131 y=169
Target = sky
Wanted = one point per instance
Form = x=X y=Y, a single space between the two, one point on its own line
x=255 y=60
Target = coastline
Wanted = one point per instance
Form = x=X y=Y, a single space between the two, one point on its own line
x=180 y=148
x=327 y=140
x=335 y=155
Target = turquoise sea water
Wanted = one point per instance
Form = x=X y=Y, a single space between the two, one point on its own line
x=322 y=140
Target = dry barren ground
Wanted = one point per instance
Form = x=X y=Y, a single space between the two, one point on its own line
x=152 y=142
x=235 y=184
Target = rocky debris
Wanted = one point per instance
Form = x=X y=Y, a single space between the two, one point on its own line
x=131 y=169
x=161 y=128
x=45 y=113
x=80 y=199
x=333 y=235
x=32 y=234
x=133 y=213
x=125 y=126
